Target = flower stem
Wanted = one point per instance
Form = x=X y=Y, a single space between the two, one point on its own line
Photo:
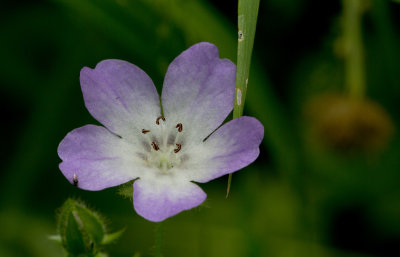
x=247 y=20
x=158 y=241
x=354 y=52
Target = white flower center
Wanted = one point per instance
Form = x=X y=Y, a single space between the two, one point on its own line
x=164 y=159
x=163 y=152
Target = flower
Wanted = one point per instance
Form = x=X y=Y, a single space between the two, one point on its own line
x=164 y=153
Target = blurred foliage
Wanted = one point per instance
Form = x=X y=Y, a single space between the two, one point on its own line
x=300 y=198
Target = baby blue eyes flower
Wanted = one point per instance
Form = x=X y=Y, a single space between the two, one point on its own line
x=164 y=153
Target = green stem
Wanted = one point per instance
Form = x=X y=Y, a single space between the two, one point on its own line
x=354 y=52
x=247 y=20
x=158 y=242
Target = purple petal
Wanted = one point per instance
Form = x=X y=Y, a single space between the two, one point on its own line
x=156 y=200
x=98 y=158
x=121 y=96
x=199 y=90
x=232 y=147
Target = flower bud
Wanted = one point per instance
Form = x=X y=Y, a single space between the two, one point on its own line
x=82 y=231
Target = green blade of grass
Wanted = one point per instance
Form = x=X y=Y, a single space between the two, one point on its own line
x=247 y=21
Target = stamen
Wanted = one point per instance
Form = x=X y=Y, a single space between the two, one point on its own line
x=144 y=131
x=179 y=146
x=179 y=127
x=75 y=180
x=155 y=146
x=158 y=120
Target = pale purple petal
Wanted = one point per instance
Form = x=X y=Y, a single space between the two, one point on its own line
x=99 y=158
x=165 y=197
x=120 y=96
x=232 y=147
x=199 y=90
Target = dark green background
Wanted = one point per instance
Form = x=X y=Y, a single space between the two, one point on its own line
x=295 y=200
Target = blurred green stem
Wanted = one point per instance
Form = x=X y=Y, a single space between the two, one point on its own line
x=247 y=21
x=354 y=51
x=158 y=239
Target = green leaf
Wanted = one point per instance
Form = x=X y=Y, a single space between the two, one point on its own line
x=112 y=237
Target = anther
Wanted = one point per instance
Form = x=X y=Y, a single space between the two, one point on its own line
x=144 y=131
x=179 y=127
x=155 y=146
x=75 y=180
x=179 y=146
x=158 y=120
